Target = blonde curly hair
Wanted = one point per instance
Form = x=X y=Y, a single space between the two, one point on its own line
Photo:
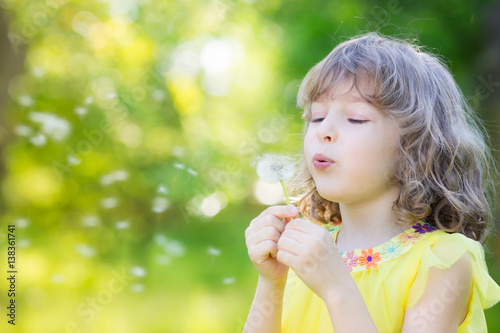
x=444 y=167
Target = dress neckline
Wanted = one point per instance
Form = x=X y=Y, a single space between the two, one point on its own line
x=366 y=259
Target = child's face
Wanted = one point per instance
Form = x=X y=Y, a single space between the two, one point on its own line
x=359 y=139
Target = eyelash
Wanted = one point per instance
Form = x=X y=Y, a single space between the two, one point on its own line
x=353 y=121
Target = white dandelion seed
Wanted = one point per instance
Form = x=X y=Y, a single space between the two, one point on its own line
x=122 y=225
x=162 y=189
x=22 y=223
x=38 y=140
x=51 y=125
x=90 y=221
x=163 y=259
x=109 y=202
x=138 y=271
x=57 y=278
x=23 y=130
x=213 y=251
x=160 y=204
x=228 y=280
x=73 y=160
x=137 y=287
x=85 y=250
x=274 y=168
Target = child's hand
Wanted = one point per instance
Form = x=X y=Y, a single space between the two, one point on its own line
x=262 y=241
x=311 y=252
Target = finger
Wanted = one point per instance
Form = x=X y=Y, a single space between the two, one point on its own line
x=286 y=258
x=303 y=225
x=282 y=211
x=260 y=252
x=267 y=233
x=291 y=244
x=267 y=221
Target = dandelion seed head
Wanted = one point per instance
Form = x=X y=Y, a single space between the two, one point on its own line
x=275 y=167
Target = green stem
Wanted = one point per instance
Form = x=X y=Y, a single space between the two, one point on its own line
x=288 y=199
x=286 y=194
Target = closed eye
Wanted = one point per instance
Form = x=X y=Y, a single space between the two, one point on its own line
x=357 y=121
x=317 y=120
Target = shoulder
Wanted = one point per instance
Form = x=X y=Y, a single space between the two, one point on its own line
x=440 y=295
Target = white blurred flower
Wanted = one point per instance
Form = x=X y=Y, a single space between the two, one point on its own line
x=137 y=287
x=275 y=167
x=109 y=202
x=73 y=160
x=25 y=100
x=138 y=271
x=160 y=204
x=228 y=280
x=122 y=225
x=23 y=130
x=22 y=223
x=57 y=278
x=162 y=189
x=115 y=176
x=213 y=251
x=85 y=250
x=171 y=247
x=55 y=127
x=163 y=259
x=38 y=140
x=90 y=221
x=81 y=111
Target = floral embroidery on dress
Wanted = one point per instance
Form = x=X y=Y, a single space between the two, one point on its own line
x=423 y=228
x=366 y=259
x=408 y=239
x=350 y=260
x=391 y=250
x=369 y=259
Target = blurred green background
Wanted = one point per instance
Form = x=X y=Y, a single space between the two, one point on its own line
x=128 y=130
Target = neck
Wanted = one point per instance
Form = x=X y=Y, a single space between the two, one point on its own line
x=369 y=223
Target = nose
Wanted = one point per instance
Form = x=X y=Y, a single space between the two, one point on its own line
x=326 y=131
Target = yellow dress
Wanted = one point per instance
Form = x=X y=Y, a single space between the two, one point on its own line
x=384 y=275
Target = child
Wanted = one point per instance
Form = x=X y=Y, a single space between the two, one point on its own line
x=395 y=173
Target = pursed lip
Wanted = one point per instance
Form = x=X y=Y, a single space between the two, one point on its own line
x=322 y=158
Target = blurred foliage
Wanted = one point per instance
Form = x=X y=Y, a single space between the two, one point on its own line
x=129 y=134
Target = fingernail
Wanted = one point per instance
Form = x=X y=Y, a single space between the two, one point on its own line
x=293 y=210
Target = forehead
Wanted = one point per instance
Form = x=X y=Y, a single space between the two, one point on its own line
x=346 y=92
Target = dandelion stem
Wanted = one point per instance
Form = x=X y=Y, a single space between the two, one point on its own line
x=286 y=194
